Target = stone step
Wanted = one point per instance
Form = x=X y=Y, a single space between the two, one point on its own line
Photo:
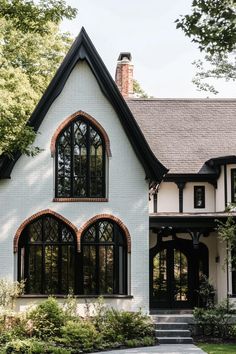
x=173 y=318
x=171 y=312
x=171 y=325
x=175 y=340
x=172 y=333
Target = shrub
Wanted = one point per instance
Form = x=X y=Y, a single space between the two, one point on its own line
x=81 y=335
x=119 y=326
x=47 y=319
x=144 y=342
x=26 y=346
x=215 y=321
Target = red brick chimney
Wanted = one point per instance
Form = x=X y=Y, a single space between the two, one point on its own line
x=124 y=74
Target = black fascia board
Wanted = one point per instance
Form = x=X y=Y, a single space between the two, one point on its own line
x=181 y=223
x=191 y=177
x=221 y=160
x=83 y=49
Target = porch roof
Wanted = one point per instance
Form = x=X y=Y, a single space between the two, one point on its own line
x=182 y=221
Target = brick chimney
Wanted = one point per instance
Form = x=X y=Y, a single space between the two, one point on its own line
x=124 y=74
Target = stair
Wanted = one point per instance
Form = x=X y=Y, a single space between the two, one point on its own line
x=173 y=328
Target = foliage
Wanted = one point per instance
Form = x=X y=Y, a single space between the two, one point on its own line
x=227 y=234
x=215 y=321
x=81 y=335
x=120 y=326
x=220 y=66
x=212 y=25
x=47 y=319
x=138 y=91
x=31 y=17
x=9 y=291
x=32 y=346
x=206 y=291
x=142 y=342
x=28 y=62
x=70 y=306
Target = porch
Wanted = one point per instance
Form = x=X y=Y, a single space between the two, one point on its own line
x=183 y=247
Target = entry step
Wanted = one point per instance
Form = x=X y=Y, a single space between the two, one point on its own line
x=171 y=325
x=175 y=340
x=172 y=333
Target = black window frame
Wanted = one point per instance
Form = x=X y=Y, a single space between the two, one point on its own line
x=203 y=191
x=23 y=259
x=233 y=171
x=70 y=126
x=116 y=271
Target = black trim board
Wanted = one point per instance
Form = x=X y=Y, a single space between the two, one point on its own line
x=83 y=49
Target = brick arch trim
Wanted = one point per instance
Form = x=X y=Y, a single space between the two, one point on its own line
x=109 y=217
x=37 y=215
x=92 y=120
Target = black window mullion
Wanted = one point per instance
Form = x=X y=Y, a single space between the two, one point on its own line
x=116 y=267
x=72 y=136
x=103 y=171
x=88 y=174
x=43 y=258
x=97 y=273
x=59 y=260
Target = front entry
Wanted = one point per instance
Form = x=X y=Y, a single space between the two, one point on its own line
x=174 y=273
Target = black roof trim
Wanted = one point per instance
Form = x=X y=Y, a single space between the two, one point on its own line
x=83 y=49
x=191 y=177
x=222 y=160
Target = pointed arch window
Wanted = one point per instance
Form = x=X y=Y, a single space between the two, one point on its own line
x=104 y=259
x=80 y=161
x=46 y=257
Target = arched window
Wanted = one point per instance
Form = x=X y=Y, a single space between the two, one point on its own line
x=46 y=256
x=80 y=161
x=104 y=259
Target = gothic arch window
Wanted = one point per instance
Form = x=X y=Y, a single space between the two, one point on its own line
x=46 y=256
x=80 y=160
x=104 y=259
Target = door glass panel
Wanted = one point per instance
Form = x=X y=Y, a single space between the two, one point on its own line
x=160 y=275
x=180 y=276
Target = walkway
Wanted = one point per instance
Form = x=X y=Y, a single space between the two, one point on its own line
x=162 y=348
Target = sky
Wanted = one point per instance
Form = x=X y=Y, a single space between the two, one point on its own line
x=162 y=55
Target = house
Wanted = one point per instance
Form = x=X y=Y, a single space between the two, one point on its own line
x=122 y=199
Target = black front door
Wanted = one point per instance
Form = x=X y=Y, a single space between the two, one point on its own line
x=174 y=273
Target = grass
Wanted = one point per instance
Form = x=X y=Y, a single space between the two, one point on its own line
x=223 y=348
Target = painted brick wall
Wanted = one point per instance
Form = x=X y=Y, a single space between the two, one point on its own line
x=31 y=187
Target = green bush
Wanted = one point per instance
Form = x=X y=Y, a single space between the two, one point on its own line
x=81 y=335
x=144 y=342
x=215 y=321
x=26 y=346
x=120 y=326
x=47 y=319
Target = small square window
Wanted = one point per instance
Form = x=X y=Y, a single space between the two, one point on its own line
x=233 y=186
x=199 y=197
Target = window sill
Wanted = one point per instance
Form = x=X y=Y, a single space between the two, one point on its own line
x=32 y=296
x=73 y=200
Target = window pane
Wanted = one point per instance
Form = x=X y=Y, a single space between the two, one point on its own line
x=180 y=276
x=105 y=231
x=96 y=164
x=106 y=269
x=64 y=164
x=67 y=269
x=35 y=270
x=80 y=159
x=89 y=269
x=51 y=229
x=233 y=186
x=35 y=231
x=51 y=269
x=160 y=275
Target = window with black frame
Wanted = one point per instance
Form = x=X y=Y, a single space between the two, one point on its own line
x=199 y=197
x=104 y=259
x=80 y=161
x=46 y=257
x=233 y=186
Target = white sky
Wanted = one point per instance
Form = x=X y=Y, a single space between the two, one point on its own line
x=162 y=55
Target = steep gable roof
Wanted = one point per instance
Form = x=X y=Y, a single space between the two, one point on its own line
x=83 y=49
x=186 y=133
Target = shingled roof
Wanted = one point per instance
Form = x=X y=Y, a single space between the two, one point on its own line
x=185 y=133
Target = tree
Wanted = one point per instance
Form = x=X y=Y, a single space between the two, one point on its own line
x=212 y=25
x=31 y=17
x=28 y=61
x=138 y=91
